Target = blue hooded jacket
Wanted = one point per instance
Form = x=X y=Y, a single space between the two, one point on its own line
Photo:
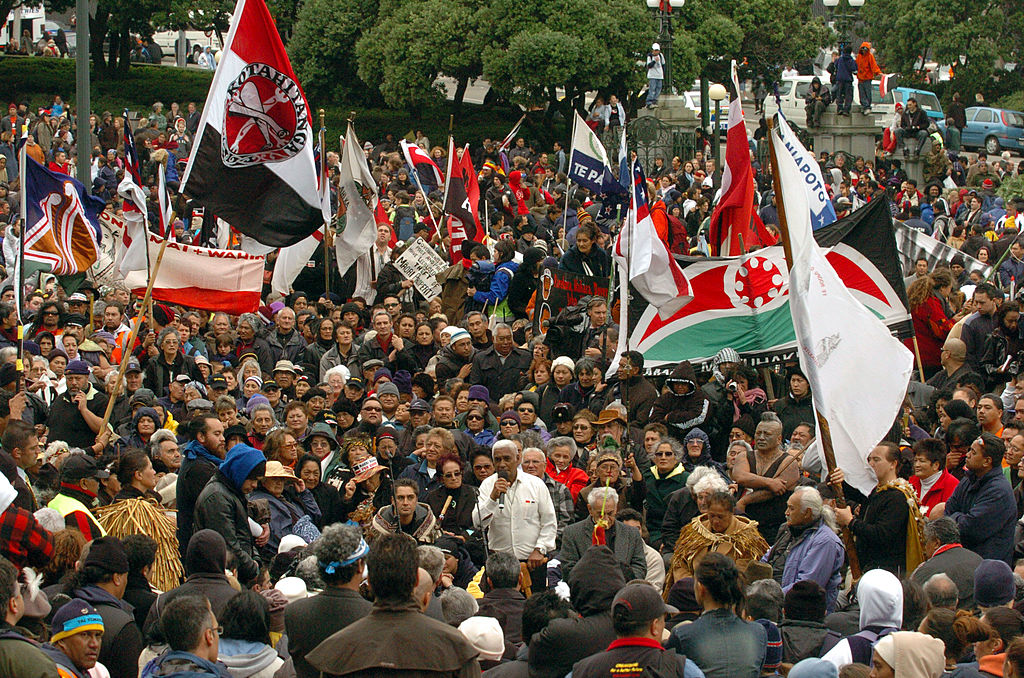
x=239 y=464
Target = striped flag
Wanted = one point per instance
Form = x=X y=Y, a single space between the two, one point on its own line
x=63 y=230
x=735 y=226
x=427 y=171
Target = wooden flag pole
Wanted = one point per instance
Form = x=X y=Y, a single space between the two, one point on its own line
x=826 y=433
x=126 y=354
x=327 y=227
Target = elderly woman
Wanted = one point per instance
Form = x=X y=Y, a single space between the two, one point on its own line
x=280 y=445
x=168 y=363
x=328 y=499
x=261 y=420
x=476 y=426
x=145 y=422
x=686 y=504
x=439 y=442
x=293 y=510
x=561 y=452
x=716 y=529
x=698 y=452
x=335 y=378
x=453 y=504
x=666 y=476
x=368 y=488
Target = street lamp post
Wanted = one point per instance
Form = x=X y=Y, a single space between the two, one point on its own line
x=843 y=20
x=665 y=8
x=717 y=92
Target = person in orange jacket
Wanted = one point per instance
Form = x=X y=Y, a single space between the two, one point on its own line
x=867 y=70
x=659 y=215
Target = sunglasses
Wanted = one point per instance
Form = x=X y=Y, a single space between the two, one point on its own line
x=664 y=454
x=474 y=417
x=372 y=409
x=509 y=422
x=453 y=474
x=580 y=427
x=527 y=410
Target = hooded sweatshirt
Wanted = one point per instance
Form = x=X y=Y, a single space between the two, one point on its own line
x=246 y=659
x=682 y=412
x=593 y=584
x=881 y=612
x=867 y=67
x=239 y=463
x=912 y=654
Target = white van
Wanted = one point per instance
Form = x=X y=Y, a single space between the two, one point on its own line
x=793 y=90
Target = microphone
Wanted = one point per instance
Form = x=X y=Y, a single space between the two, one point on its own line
x=503 y=474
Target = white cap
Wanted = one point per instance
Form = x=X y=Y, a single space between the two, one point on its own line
x=486 y=637
x=656 y=47
x=564 y=361
x=290 y=542
x=459 y=334
x=293 y=588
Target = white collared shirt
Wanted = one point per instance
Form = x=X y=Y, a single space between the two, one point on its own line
x=526 y=523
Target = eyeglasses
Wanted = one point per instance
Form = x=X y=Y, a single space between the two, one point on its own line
x=580 y=427
x=509 y=422
x=482 y=467
x=474 y=417
x=391 y=305
x=664 y=454
x=453 y=474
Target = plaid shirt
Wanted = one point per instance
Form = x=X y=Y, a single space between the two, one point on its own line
x=564 y=507
x=23 y=541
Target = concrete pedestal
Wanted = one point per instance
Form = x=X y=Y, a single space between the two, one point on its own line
x=854 y=134
x=672 y=110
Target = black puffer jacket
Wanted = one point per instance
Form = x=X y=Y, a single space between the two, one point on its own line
x=594 y=582
x=448 y=364
x=680 y=413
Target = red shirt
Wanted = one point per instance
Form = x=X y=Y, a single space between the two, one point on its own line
x=573 y=478
x=938 y=494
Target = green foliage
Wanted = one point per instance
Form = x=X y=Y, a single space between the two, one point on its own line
x=38 y=80
x=405 y=52
x=1013 y=101
x=322 y=49
x=983 y=31
x=1011 y=187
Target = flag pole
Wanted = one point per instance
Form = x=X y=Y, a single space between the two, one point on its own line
x=147 y=299
x=20 y=281
x=826 y=433
x=327 y=227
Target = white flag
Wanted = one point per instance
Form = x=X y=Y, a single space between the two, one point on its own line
x=857 y=370
x=291 y=260
x=822 y=211
x=358 y=192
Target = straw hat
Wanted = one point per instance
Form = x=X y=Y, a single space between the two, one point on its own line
x=276 y=469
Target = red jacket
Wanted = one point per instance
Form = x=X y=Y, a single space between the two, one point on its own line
x=931 y=327
x=573 y=478
x=940 y=492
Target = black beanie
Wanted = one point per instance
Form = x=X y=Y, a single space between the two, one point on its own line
x=805 y=602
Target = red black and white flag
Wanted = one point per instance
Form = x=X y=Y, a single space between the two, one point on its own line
x=253 y=159
x=427 y=171
x=735 y=226
x=461 y=199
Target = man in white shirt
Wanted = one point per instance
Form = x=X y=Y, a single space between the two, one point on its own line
x=517 y=512
x=368 y=265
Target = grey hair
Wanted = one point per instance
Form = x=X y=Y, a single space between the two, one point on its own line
x=111 y=377
x=764 y=600
x=529 y=439
x=263 y=406
x=771 y=416
x=698 y=474
x=676 y=448
x=336 y=544
x=941 y=591
x=252 y=320
x=944 y=530
x=503 y=570
x=457 y=605
x=308 y=570
x=586 y=363
x=431 y=560
x=338 y=369
x=810 y=499
x=534 y=449
x=159 y=436
x=742 y=443
x=165 y=332
x=603 y=494
x=502 y=326
x=712 y=481
x=8 y=352
x=241 y=370
x=563 y=441
x=504 y=444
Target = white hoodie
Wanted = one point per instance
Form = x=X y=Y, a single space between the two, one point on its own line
x=881 y=604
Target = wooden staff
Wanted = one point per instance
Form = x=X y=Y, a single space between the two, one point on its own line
x=826 y=434
x=127 y=352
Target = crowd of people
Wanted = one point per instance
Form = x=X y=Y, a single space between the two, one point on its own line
x=365 y=481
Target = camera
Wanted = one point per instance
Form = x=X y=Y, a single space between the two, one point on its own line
x=732 y=387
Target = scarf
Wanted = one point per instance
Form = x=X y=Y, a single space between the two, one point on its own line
x=194 y=450
x=915 y=522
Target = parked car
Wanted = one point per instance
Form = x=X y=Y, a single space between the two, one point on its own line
x=993 y=129
x=793 y=90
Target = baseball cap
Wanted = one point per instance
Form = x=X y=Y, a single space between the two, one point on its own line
x=79 y=466
x=218 y=381
x=133 y=366
x=638 y=602
x=78 y=297
x=419 y=405
x=181 y=378
x=354 y=382
x=77 y=367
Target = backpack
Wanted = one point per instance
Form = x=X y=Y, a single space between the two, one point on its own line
x=405 y=222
